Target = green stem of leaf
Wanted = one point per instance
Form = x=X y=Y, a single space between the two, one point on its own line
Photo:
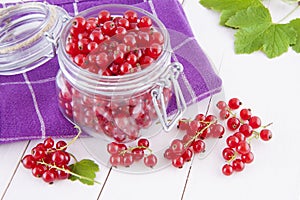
x=68 y=171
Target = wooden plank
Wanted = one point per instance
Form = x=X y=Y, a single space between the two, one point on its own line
x=10 y=155
x=165 y=183
x=29 y=187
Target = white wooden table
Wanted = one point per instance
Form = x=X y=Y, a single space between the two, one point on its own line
x=269 y=86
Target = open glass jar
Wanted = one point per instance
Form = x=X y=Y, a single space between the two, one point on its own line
x=121 y=107
x=27 y=31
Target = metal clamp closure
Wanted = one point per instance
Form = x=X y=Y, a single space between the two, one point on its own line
x=158 y=97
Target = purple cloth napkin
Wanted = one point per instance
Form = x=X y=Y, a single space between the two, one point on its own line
x=28 y=104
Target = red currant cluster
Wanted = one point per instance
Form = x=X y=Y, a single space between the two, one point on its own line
x=48 y=160
x=196 y=130
x=114 y=45
x=245 y=127
x=121 y=155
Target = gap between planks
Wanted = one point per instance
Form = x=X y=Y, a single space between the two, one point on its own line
x=15 y=170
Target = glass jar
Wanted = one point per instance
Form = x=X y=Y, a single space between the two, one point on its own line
x=119 y=108
x=27 y=34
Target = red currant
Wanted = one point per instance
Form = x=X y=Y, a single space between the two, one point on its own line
x=238 y=165
x=233 y=123
x=104 y=16
x=29 y=162
x=234 y=103
x=255 y=122
x=245 y=114
x=247 y=158
x=265 y=134
x=131 y=16
x=178 y=162
x=79 y=23
x=48 y=143
x=222 y=105
x=227 y=169
x=143 y=142
x=150 y=160
x=145 y=22
x=243 y=147
x=232 y=141
x=228 y=153
x=246 y=130
x=49 y=176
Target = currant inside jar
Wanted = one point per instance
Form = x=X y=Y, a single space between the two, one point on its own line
x=115 y=71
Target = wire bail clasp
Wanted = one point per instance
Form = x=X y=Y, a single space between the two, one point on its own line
x=157 y=95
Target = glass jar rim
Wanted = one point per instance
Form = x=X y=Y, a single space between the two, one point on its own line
x=122 y=79
x=26 y=49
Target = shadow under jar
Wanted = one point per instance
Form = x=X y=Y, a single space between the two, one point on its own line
x=100 y=96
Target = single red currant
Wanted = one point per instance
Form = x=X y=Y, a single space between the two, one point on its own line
x=187 y=155
x=150 y=160
x=247 y=158
x=48 y=143
x=143 y=142
x=38 y=170
x=62 y=145
x=238 y=165
x=234 y=103
x=232 y=141
x=178 y=162
x=246 y=130
x=233 y=123
x=29 y=162
x=243 y=147
x=255 y=122
x=104 y=16
x=228 y=153
x=227 y=169
x=245 y=114
x=145 y=22
x=198 y=146
x=265 y=134
x=131 y=16
x=221 y=105
x=49 y=176
x=79 y=23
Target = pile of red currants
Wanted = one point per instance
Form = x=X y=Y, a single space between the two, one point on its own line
x=121 y=155
x=245 y=127
x=114 y=45
x=48 y=160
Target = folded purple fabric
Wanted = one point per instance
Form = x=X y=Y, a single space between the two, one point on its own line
x=28 y=104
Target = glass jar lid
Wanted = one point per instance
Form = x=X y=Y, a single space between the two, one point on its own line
x=28 y=35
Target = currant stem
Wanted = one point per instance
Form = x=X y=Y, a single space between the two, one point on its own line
x=198 y=133
x=255 y=135
x=73 y=140
x=68 y=171
x=265 y=126
x=135 y=147
x=232 y=158
x=72 y=155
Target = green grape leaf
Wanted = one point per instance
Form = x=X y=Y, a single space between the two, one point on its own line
x=84 y=171
x=296 y=25
x=256 y=31
x=228 y=8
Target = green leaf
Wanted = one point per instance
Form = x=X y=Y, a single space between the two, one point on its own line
x=228 y=8
x=256 y=31
x=296 y=25
x=84 y=171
